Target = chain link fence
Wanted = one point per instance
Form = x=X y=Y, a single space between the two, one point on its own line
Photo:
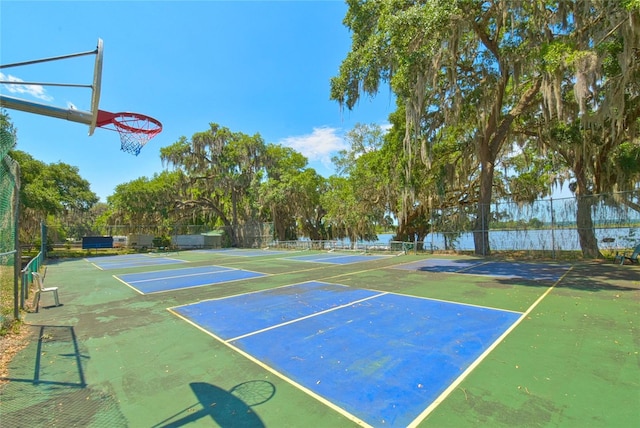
x=546 y=226
x=9 y=256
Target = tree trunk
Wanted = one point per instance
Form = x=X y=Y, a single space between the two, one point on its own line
x=584 y=221
x=481 y=228
x=586 y=233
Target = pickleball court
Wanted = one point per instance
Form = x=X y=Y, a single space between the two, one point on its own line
x=381 y=358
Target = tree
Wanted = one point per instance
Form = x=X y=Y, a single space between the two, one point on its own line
x=221 y=171
x=145 y=202
x=288 y=187
x=455 y=65
x=590 y=115
x=470 y=67
x=49 y=190
x=357 y=200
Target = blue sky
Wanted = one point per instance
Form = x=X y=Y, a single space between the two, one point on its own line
x=251 y=66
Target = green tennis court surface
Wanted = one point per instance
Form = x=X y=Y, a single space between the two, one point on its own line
x=111 y=356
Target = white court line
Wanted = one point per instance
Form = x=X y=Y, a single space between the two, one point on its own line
x=481 y=358
x=128 y=285
x=326 y=311
x=251 y=292
x=453 y=302
x=182 y=276
x=282 y=376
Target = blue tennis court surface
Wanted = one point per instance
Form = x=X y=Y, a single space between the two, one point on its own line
x=532 y=271
x=175 y=279
x=130 y=261
x=381 y=358
x=242 y=253
x=335 y=258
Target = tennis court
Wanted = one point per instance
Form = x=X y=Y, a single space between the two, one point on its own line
x=131 y=261
x=544 y=272
x=361 y=351
x=336 y=258
x=237 y=252
x=215 y=339
x=175 y=279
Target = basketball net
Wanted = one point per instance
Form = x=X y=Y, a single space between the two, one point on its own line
x=135 y=129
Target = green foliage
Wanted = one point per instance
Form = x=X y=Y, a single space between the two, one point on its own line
x=628 y=157
x=144 y=200
x=219 y=171
x=55 y=189
x=161 y=241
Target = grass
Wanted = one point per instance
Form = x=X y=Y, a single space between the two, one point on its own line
x=7 y=324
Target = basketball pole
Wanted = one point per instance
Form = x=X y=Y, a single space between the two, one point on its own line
x=79 y=116
x=73 y=115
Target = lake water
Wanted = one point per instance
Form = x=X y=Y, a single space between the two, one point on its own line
x=539 y=240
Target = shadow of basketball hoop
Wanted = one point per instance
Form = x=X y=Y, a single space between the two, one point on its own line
x=231 y=408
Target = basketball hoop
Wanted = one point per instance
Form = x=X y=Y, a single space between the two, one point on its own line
x=135 y=129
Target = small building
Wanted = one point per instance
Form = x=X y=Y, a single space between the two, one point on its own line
x=120 y=242
x=140 y=241
x=185 y=242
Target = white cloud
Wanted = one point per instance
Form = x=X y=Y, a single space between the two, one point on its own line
x=36 y=91
x=320 y=145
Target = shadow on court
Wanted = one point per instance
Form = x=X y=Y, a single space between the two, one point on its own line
x=47 y=385
x=57 y=359
x=226 y=408
x=590 y=277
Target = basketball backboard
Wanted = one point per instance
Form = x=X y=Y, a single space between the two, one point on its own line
x=96 y=87
x=135 y=129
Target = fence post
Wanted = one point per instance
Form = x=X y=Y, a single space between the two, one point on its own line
x=43 y=239
x=553 y=234
x=17 y=258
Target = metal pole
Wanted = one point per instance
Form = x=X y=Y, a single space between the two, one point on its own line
x=54 y=58
x=69 y=85
x=43 y=240
x=17 y=261
x=553 y=237
x=45 y=110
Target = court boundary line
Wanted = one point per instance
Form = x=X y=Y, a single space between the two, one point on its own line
x=379 y=293
x=128 y=285
x=261 y=275
x=326 y=311
x=473 y=266
x=456 y=383
x=258 y=291
x=95 y=265
x=275 y=372
x=447 y=301
x=184 y=276
x=138 y=266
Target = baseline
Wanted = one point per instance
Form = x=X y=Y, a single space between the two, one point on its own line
x=176 y=279
x=130 y=261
